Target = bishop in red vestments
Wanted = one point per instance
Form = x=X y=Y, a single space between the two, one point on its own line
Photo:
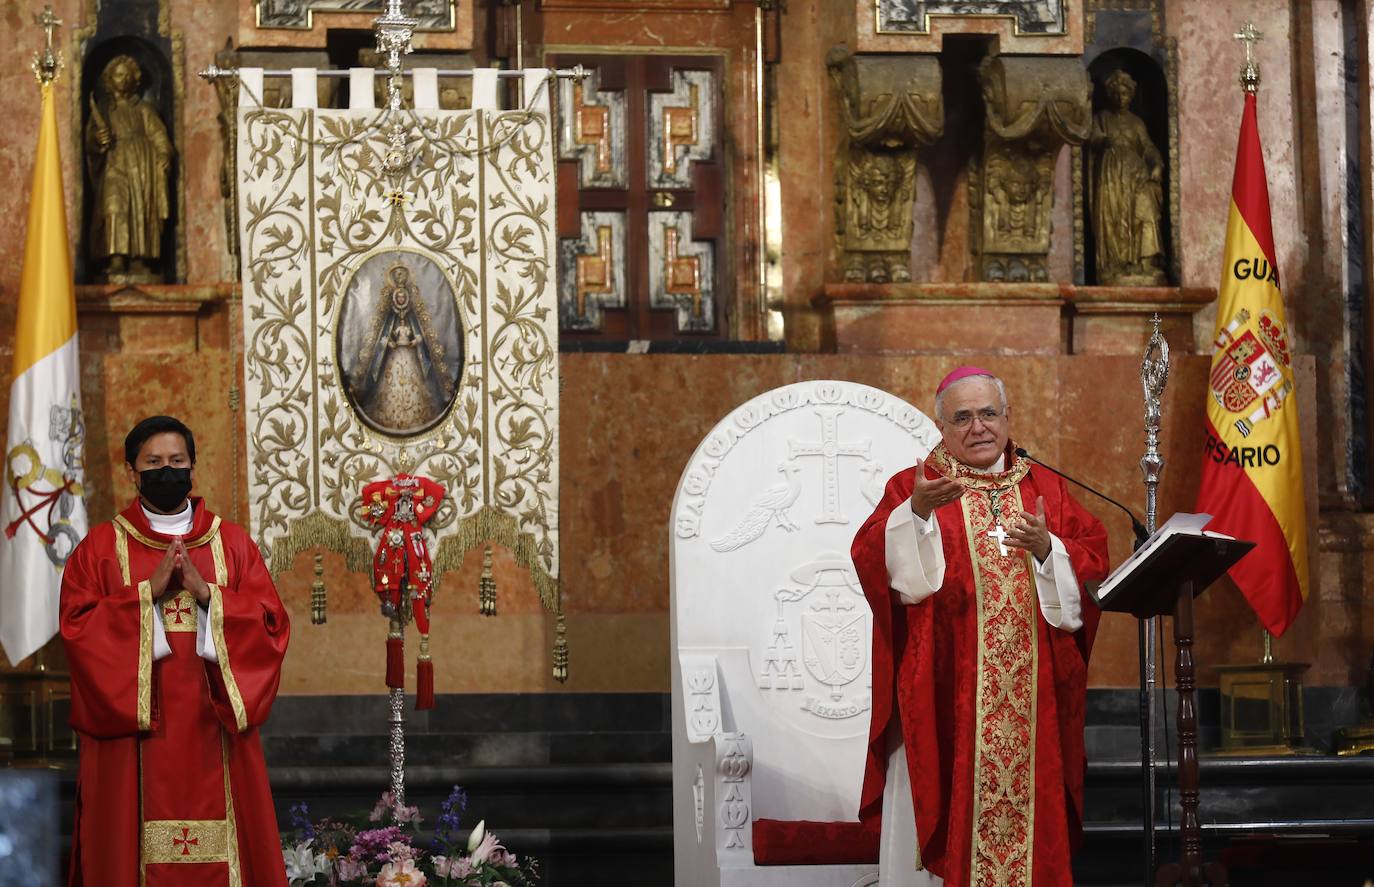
x=973 y=564
x=175 y=637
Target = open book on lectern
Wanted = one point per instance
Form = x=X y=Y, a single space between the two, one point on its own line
x=1181 y=550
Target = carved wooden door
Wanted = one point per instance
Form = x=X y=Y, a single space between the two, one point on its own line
x=640 y=198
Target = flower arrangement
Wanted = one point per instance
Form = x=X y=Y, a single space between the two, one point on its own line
x=390 y=852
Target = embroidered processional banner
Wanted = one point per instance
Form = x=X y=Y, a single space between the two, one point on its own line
x=400 y=317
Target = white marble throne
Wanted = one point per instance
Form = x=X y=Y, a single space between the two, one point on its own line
x=771 y=632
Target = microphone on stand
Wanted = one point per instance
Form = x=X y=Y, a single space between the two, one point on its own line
x=1136 y=525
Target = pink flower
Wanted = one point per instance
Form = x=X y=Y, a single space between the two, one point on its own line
x=385 y=803
x=400 y=851
x=503 y=858
x=458 y=867
x=404 y=815
x=485 y=848
x=402 y=874
x=349 y=869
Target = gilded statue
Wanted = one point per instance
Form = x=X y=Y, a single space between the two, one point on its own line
x=403 y=385
x=129 y=155
x=1126 y=191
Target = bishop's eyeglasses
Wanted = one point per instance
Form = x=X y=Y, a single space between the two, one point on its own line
x=987 y=415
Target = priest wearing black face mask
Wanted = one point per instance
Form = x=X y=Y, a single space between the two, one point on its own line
x=175 y=636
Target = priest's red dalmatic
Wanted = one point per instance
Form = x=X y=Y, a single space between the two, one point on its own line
x=172 y=788
x=989 y=697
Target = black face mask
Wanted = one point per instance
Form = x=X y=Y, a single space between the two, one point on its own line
x=165 y=488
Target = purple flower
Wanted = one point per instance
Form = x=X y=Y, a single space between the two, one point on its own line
x=450 y=817
x=374 y=843
x=300 y=820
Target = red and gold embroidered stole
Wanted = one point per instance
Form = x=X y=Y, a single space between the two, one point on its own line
x=1005 y=700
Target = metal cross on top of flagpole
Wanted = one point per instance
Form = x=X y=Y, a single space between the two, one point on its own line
x=1249 y=75
x=47 y=63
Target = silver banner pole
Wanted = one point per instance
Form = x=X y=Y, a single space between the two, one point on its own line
x=1154 y=375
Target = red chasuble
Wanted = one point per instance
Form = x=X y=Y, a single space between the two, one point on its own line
x=989 y=696
x=172 y=788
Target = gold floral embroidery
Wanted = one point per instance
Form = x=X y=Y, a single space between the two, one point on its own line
x=1005 y=695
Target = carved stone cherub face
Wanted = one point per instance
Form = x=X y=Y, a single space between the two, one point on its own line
x=879 y=177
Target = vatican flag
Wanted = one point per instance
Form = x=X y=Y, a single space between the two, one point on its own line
x=1252 y=461
x=42 y=509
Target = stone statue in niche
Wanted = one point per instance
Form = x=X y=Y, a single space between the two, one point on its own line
x=891 y=106
x=1126 y=192
x=129 y=155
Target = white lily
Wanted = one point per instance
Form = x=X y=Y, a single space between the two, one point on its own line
x=302 y=865
x=477 y=835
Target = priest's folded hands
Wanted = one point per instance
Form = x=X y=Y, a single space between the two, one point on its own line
x=176 y=572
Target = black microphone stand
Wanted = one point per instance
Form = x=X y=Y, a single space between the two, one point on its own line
x=1147 y=786
x=1136 y=526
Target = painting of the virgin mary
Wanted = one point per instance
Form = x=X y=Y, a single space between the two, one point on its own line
x=400 y=343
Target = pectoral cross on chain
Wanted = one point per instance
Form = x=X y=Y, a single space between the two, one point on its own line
x=1001 y=535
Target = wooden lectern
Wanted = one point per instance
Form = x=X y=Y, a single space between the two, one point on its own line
x=1168 y=574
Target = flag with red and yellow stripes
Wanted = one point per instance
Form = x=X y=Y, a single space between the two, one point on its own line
x=1252 y=461
x=42 y=509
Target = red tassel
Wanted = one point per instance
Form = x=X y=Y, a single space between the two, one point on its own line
x=424 y=685
x=395 y=663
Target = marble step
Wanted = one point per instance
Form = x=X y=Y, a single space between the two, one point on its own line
x=470 y=749
x=543 y=797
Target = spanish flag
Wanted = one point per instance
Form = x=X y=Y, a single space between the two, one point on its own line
x=1252 y=460
x=42 y=509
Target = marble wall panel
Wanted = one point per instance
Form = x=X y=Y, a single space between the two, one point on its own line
x=808 y=115
x=1210 y=103
x=194 y=387
x=203 y=28
x=629 y=425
